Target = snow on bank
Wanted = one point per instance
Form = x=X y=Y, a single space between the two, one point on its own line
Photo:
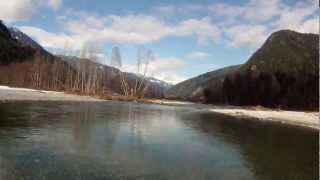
x=170 y=102
x=287 y=117
x=30 y=90
x=24 y=94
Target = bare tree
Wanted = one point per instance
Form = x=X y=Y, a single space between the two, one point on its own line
x=116 y=61
x=143 y=62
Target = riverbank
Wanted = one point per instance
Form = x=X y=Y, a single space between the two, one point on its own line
x=24 y=94
x=297 y=118
x=304 y=119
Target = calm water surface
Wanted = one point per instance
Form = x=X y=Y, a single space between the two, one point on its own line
x=113 y=140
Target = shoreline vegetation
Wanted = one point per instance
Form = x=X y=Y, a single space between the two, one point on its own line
x=297 y=118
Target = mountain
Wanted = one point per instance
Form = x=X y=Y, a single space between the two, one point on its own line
x=10 y=49
x=4 y=33
x=154 y=87
x=24 y=63
x=192 y=89
x=23 y=39
x=162 y=83
x=288 y=52
x=283 y=72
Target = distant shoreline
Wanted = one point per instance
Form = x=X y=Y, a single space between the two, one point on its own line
x=23 y=94
x=297 y=118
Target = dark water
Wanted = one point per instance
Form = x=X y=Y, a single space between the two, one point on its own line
x=70 y=141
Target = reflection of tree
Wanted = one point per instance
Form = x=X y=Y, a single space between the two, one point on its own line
x=92 y=127
x=136 y=127
x=273 y=151
x=82 y=125
x=7 y=168
x=10 y=118
x=141 y=119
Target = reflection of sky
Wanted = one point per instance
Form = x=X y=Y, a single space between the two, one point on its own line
x=155 y=140
x=129 y=139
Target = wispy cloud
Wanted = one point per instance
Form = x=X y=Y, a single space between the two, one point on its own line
x=135 y=29
x=198 y=55
x=18 y=10
x=14 y=10
x=53 y=40
x=163 y=68
x=246 y=25
x=55 y=4
x=249 y=23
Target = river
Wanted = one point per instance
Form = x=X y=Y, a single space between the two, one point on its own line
x=117 y=140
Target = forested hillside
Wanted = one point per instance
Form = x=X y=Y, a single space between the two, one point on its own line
x=283 y=73
x=24 y=63
x=193 y=89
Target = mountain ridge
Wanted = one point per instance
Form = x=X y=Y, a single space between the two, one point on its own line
x=23 y=60
x=283 y=72
x=195 y=85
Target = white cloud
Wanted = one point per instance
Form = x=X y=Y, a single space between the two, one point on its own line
x=246 y=25
x=15 y=10
x=135 y=29
x=253 y=10
x=297 y=17
x=160 y=68
x=170 y=9
x=310 y=26
x=171 y=77
x=250 y=24
x=246 y=35
x=160 y=65
x=198 y=55
x=52 y=40
x=55 y=4
x=202 y=28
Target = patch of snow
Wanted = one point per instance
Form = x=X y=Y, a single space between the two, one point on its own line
x=176 y=102
x=23 y=94
x=16 y=89
x=289 y=117
x=31 y=90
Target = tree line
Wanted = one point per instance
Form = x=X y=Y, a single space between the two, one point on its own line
x=276 y=90
x=85 y=75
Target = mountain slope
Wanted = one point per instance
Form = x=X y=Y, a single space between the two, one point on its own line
x=154 y=87
x=284 y=73
x=288 y=52
x=23 y=39
x=24 y=63
x=10 y=49
x=192 y=89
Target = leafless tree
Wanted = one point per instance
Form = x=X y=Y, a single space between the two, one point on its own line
x=143 y=61
x=116 y=61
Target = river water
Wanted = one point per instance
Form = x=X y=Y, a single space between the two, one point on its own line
x=114 y=140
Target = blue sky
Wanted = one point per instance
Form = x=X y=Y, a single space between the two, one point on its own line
x=188 y=37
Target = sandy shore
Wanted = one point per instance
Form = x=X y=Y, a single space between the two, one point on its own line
x=305 y=119
x=23 y=94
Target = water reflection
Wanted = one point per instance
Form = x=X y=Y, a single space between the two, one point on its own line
x=272 y=151
x=132 y=141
